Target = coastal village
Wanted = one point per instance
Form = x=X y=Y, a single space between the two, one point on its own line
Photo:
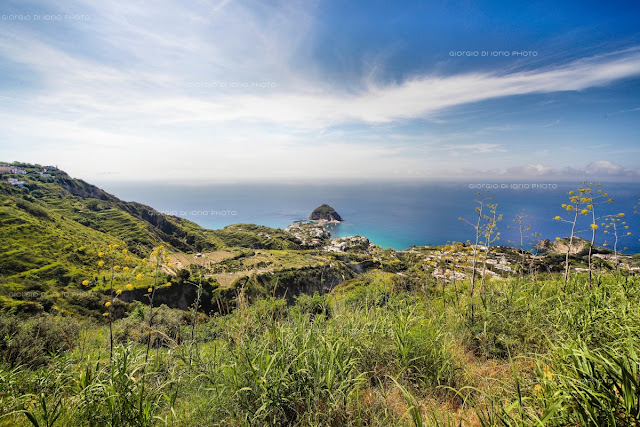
x=454 y=262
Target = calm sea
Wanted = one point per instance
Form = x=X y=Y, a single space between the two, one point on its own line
x=394 y=215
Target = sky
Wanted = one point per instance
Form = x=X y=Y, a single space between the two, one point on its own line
x=205 y=91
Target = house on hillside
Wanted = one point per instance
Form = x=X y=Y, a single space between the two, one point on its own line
x=17 y=171
x=15 y=182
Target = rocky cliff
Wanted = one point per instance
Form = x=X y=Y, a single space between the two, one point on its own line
x=324 y=212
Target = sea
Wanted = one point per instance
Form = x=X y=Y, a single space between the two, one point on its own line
x=394 y=215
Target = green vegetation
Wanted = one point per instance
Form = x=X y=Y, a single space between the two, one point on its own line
x=324 y=212
x=370 y=353
x=114 y=314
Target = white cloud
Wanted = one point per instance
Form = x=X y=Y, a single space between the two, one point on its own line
x=130 y=103
x=601 y=169
x=476 y=148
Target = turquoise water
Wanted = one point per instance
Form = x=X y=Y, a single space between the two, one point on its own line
x=395 y=215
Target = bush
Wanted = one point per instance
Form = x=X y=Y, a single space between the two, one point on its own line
x=33 y=341
x=167 y=324
x=32 y=208
x=313 y=305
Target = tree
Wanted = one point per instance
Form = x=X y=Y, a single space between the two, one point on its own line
x=524 y=231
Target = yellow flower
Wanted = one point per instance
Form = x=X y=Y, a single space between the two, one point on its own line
x=125 y=269
x=100 y=263
x=557 y=218
x=124 y=251
x=594 y=226
x=168 y=283
x=127 y=258
x=169 y=265
x=85 y=282
x=150 y=290
x=105 y=314
x=116 y=267
x=144 y=260
x=571 y=192
x=115 y=246
x=629 y=233
x=119 y=291
x=546 y=373
x=537 y=387
x=107 y=304
x=584 y=211
x=620 y=214
x=100 y=254
x=139 y=276
x=129 y=287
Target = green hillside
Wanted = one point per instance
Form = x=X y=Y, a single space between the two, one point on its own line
x=54 y=226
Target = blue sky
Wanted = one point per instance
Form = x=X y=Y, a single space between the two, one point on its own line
x=217 y=91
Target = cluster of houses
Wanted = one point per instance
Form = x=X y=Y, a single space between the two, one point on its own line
x=15 y=170
x=343 y=244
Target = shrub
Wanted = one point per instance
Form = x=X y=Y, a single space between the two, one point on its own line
x=167 y=327
x=32 y=342
x=313 y=305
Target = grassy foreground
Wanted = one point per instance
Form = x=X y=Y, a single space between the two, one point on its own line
x=522 y=352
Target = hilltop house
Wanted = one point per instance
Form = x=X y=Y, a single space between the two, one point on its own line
x=12 y=170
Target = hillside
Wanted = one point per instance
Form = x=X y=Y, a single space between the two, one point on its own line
x=53 y=227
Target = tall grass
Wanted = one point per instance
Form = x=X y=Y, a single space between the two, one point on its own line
x=535 y=354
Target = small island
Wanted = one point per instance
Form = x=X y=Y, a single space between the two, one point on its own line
x=325 y=213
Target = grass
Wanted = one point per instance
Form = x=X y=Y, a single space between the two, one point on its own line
x=532 y=353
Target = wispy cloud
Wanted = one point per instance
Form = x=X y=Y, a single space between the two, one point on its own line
x=132 y=80
x=601 y=169
x=476 y=148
